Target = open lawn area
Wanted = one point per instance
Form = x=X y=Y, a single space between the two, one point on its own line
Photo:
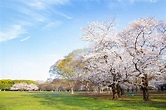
x=66 y=101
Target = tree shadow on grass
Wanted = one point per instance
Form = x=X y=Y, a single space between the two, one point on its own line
x=157 y=101
x=65 y=101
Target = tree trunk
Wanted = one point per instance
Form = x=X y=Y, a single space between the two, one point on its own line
x=114 y=91
x=136 y=88
x=119 y=91
x=72 y=90
x=144 y=87
x=145 y=94
x=71 y=85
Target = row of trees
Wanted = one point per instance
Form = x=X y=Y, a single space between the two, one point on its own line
x=24 y=87
x=29 y=85
x=58 y=85
x=6 y=84
x=133 y=56
x=53 y=85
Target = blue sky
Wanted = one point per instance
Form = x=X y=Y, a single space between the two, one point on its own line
x=36 y=33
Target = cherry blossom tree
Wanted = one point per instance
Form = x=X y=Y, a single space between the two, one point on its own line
x=138 y=52
x=24 y=86
x=133 y=57
x=145 y=41
x=103 y=63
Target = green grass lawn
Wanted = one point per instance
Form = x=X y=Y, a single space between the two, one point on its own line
x=66 y=101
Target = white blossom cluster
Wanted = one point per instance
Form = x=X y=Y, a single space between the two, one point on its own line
x=24 y=86
x=124 y=56
x=139 y=49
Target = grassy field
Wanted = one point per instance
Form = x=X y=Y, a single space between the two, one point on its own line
x=66 y=101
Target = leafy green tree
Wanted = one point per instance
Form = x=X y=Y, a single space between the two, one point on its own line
x=6 y=84
x=69 y=68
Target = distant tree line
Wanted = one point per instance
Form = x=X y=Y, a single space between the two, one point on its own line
x=6 y=84
x=57 y=84
x=24 y=87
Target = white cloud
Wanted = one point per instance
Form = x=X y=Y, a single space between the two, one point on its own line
x=64 y=15
x=26 y=38
x=11 y=33
x=62 y=2
x=33 y=12
x=43 y=4
x=24 y=23
x=46 y=7
x=33 y=15
x=153 y=1
x=52 y=25
x=132 y=1
x=125 y=3
x=37 y=4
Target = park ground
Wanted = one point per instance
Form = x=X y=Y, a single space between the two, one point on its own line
x=79 y=101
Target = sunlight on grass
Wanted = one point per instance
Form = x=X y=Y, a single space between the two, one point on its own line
x=66 y=101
